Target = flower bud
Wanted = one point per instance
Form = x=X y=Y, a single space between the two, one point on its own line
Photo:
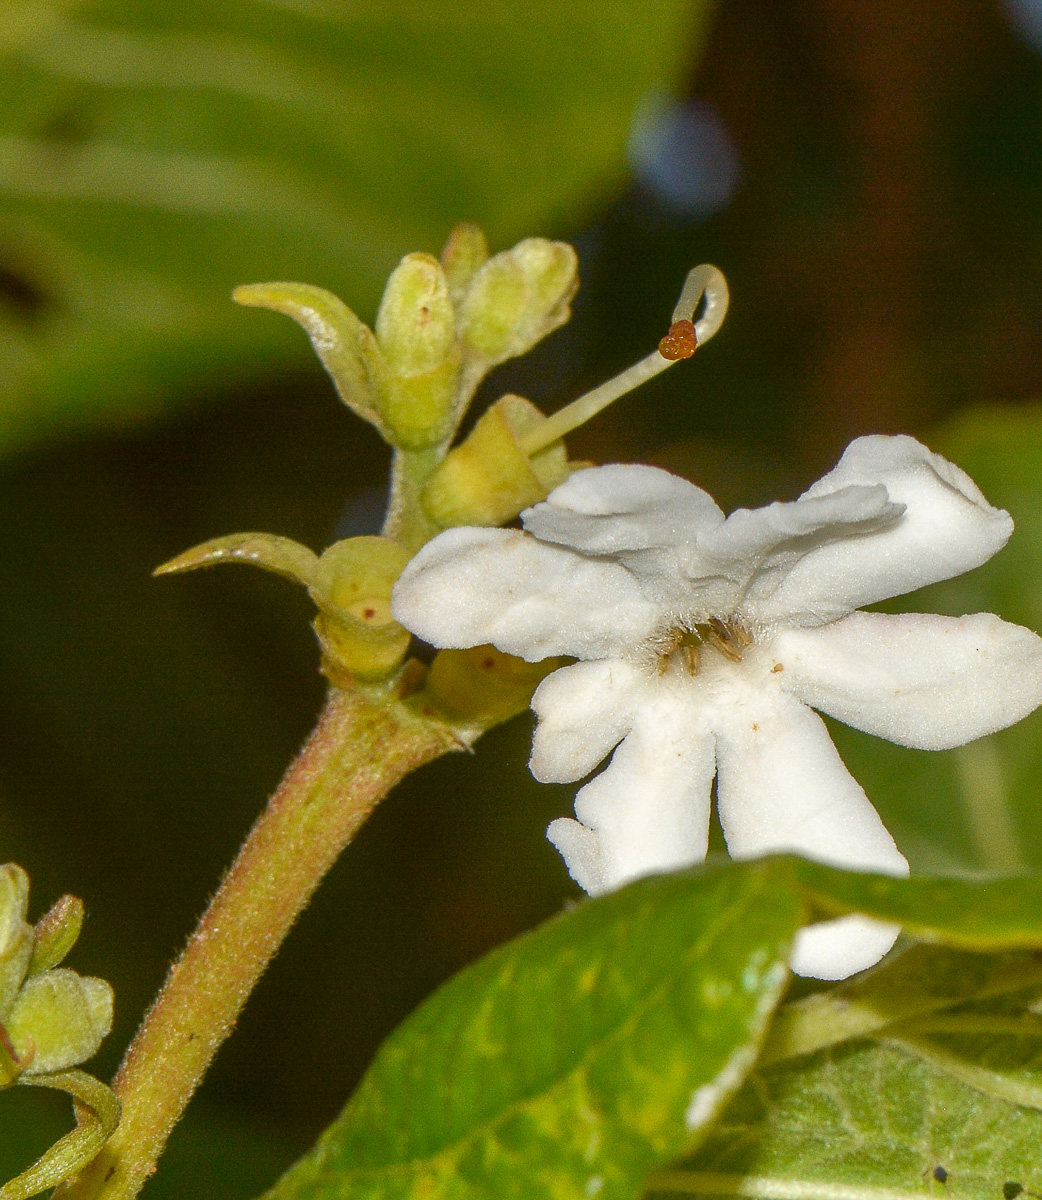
x=56 y=933
x=482 y=686
x=489 y=479
x=416 y=330
x=517 y=298
x=16 y=934
x=465 y=252
x=59 y=1019
x=352 y=588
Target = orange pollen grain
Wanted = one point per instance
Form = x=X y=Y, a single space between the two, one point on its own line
x=680 y=342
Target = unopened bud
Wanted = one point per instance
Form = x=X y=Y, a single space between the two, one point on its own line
x=482 y=686
x=465 y=252
x=59 y=1019
x=16 y=934
x=517 y=298
x=489 y=478
x=352 y=588
x=416 y=330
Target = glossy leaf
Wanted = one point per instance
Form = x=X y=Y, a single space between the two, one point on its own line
x=154 y=155
x=571 y=1061
x=576 y=1059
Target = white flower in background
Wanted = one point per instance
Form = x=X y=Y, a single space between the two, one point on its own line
x=705 y=642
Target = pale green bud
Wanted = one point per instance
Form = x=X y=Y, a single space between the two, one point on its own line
x=352 y=588
x=416 y=331
x=489 y=478
x=465 y=252
x=16 y=934
x=477 y=688
x=517 y=298
x=59 y=1019
x=55 y=933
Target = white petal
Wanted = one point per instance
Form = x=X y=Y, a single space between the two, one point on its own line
x=584 y=711
x=839 y=948
x=648 y=811
x=622 y=507
x=948 y=528
x=783 y=787
x=468 y=587
x=917 y=679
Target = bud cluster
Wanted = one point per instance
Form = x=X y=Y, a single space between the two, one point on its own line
x=442 y=325
x=51 y=1018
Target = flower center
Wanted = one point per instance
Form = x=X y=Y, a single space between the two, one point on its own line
x=684 y=643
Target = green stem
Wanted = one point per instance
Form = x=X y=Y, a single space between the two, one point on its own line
x=356 y=753
x=406 y=521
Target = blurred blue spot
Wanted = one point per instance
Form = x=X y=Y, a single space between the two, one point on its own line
x=1026 y=18
x=683 y=154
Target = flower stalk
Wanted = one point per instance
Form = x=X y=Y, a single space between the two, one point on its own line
x=357 y=752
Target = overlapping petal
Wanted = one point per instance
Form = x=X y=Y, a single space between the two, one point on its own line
x=947 y=528
x=649 y=809
x=916 y=679
x=469 y=587
x=584 y=711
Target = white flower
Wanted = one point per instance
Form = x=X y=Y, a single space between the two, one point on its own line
x=705 y=641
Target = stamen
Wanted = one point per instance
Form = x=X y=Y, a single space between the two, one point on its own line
x=702 y=281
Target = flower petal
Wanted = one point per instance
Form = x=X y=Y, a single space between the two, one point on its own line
x=623 y=506
x=783 y=787
x=948 y=527
x=648 y=811
x=584 y=711
x=468 y=587
x=917 y=679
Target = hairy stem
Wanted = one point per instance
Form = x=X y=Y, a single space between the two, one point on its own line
x=356 y=753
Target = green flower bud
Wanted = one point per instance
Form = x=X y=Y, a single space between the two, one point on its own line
x=16 y=934
x=477 y=688
x=416 y=330
x=465 y=252
x=56 y=933
x=517 y=298
x=59 y=1019
x=352 y=588
x=489 y=478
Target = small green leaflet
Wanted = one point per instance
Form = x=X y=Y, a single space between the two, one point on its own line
x=580 y=1058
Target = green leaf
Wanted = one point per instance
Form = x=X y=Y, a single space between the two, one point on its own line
x=155 y=154
x=863 y=1122
x=574 y=1059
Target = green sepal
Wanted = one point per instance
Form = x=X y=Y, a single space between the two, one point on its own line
x=489 y=478
x=345 y=346
x=352 y=587
x=516 y=298
x=472 y=690
x=59 y=1020
x=55 y=934
x=464 y=254
x=98 y=1112
x=282 y=555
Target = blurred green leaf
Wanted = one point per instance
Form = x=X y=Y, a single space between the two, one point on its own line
x=975 y=807
x=154 y=155
x=572 y=1060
